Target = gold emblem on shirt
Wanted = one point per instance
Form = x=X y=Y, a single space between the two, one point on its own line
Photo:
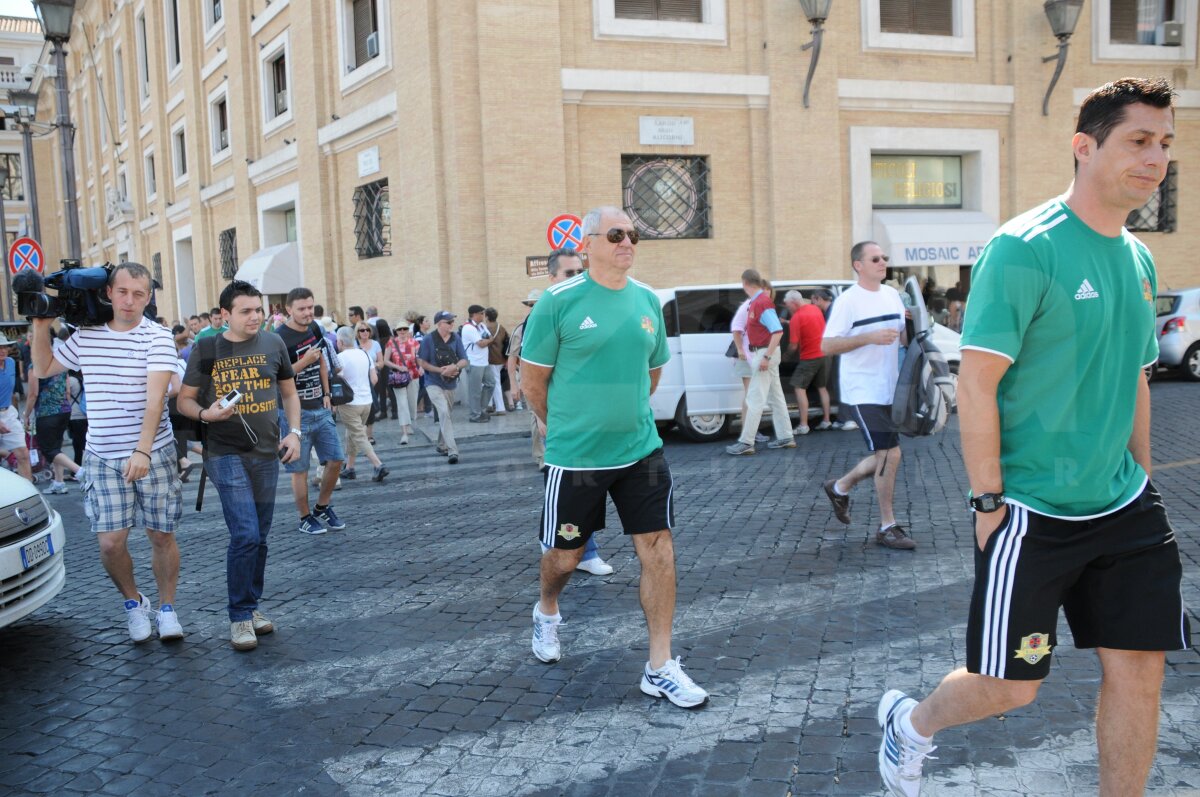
x=647 y=325
x=1033 y=648
x=1147 y=294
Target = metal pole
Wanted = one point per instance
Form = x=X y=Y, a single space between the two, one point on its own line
x=31 y=179
x=8 y=293
x=65 y=135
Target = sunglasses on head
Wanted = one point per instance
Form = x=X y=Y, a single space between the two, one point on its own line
x=616 y=235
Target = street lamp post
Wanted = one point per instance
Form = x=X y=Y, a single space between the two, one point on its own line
x=1062 y=14
x=816 y=12
x=56 y=18
x=27 y=102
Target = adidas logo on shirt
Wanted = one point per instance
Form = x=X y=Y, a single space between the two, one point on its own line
x=1086 y=291
x=588 y=323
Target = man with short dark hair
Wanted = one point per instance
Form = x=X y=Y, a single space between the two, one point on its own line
x=866 y=327
x=313 y=365
x=243 y=447
x=216 y=325
x=806 y=327
x=356 y=315
x=477 y=341
x=1055 y=417
x=130 y=459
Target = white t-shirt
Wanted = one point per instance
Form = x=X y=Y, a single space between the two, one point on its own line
x=114 y=366
x=869 y=373
x=471 y=335
x=356 y=370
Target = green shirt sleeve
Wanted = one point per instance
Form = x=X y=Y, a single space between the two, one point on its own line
x=1007 y=285
x=1151 y=275
x=540 y=342
x=661 y=354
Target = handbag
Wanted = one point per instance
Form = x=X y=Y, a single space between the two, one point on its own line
x=398 y=377
x=340 y=391
x=732 y=350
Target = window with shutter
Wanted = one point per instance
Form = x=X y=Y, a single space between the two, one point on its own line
x=365 y=24
x=279 y=84
x=665 y=10
x=924 y=17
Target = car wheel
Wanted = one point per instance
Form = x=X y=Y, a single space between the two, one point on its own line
x=701 y=428
x=1191 y=363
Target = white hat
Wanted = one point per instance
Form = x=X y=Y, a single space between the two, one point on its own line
x=531 y=299
x=5 y=341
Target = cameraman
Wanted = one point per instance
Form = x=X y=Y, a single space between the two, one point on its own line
x=243 y=450
x=130 y=456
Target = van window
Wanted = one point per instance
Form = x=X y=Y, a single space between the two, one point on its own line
x=671 y=319
x=707 y=311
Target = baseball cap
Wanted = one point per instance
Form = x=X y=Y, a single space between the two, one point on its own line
x=475 y=308
x=443 y=315
x=531 y=299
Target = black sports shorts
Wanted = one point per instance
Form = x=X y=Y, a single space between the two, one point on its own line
x=875 y=421
x=1117 y=577
x=573 y=508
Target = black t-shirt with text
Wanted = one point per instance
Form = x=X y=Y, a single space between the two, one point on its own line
x=254 y=368
x=308 y=380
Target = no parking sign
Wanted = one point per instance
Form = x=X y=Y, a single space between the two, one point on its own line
x=565 y=232
x=26 y=254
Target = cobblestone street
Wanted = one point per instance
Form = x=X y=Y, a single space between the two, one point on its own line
x=401 y=661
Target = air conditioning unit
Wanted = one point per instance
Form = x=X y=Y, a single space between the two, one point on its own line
x=1169 y=34
x=373 y=44
x=281 y=102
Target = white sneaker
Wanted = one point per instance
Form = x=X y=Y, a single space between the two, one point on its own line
x=241 y=635
x=671 y=682
x=900 y=758
x=55 y=488
x=138 y=616
x=262 y=624
x=803 y=430
x=596 y=566
x=824 y=426
x=545 y=637
x=169 y=628
x=849 y=426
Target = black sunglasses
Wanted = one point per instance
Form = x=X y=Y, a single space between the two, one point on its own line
x=877 y=258
x=616 y=235
x=572 y=272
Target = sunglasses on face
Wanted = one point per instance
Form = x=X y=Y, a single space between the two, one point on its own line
x=572 y=272
x=877 y=258
x=364 y=330
x=616 y=235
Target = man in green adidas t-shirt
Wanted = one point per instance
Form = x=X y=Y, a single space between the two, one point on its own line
x=594 y=349
x=1055 y=414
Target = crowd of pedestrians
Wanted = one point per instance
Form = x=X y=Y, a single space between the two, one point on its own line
x=585 y=362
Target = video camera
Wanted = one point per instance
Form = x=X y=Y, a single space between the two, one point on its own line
x=82 y=299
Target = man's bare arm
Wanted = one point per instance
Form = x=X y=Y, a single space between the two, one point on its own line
x=979 y=425
x=1139 y=439
x=535 y=383
x=879 y=337
x=42 y=351
x=655 y=375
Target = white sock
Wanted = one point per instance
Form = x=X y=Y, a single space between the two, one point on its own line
x=838 y=490
x=885 y=526
x=553 y=617
x=911 y=732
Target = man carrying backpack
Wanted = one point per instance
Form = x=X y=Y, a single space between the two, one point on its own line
x=866 y=327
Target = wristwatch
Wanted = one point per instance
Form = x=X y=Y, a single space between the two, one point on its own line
x=987 y=502
x=299 y=434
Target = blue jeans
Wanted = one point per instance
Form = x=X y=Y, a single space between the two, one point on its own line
x=319 y=433
x=247 y=488
x=590 y=551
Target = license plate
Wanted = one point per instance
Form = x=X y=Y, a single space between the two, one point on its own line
x=36 y=551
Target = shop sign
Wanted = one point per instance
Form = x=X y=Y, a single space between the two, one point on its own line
x=916 y=181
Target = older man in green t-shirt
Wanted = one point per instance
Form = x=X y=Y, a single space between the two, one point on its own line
x=593 y=352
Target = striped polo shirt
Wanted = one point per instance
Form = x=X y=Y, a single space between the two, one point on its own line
x=114 y=366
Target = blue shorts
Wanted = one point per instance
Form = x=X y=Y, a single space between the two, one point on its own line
x=319 y=433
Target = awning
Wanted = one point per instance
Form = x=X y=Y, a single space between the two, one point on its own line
x=933 y=237
x=273 y=270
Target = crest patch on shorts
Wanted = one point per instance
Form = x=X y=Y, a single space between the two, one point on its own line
x=1033 y=648
x=568 y=531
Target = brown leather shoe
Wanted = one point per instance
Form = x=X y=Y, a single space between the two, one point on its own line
x=841 y=503
x=894 y=537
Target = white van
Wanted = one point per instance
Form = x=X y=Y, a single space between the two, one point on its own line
x=698 y=391
x=32 y=539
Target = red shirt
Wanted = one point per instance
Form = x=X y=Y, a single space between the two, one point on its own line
x=757 y=334
x=806 y=329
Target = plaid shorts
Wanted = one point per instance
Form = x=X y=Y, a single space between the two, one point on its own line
x=154 y=501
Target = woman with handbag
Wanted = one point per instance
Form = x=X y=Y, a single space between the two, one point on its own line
x=364 y=339
x=403 y=375
x=385 y=391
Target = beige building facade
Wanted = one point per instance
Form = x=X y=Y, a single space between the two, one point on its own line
x=409 y=154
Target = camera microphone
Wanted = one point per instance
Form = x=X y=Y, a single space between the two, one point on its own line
x=28 y=282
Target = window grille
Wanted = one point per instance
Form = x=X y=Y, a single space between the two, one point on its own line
x=1158 y=214
x=670 y=10
x=156 y=267
x=925 y=17
x=14 y=188
x=667 y=196
x=227 y=245
x=372 y=220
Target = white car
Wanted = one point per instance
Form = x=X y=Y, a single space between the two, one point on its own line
x=1178 y=325
x=32 y=539
x=697 y=390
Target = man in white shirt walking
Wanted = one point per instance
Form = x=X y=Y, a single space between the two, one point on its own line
x=866 y=327
x=480 y=381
